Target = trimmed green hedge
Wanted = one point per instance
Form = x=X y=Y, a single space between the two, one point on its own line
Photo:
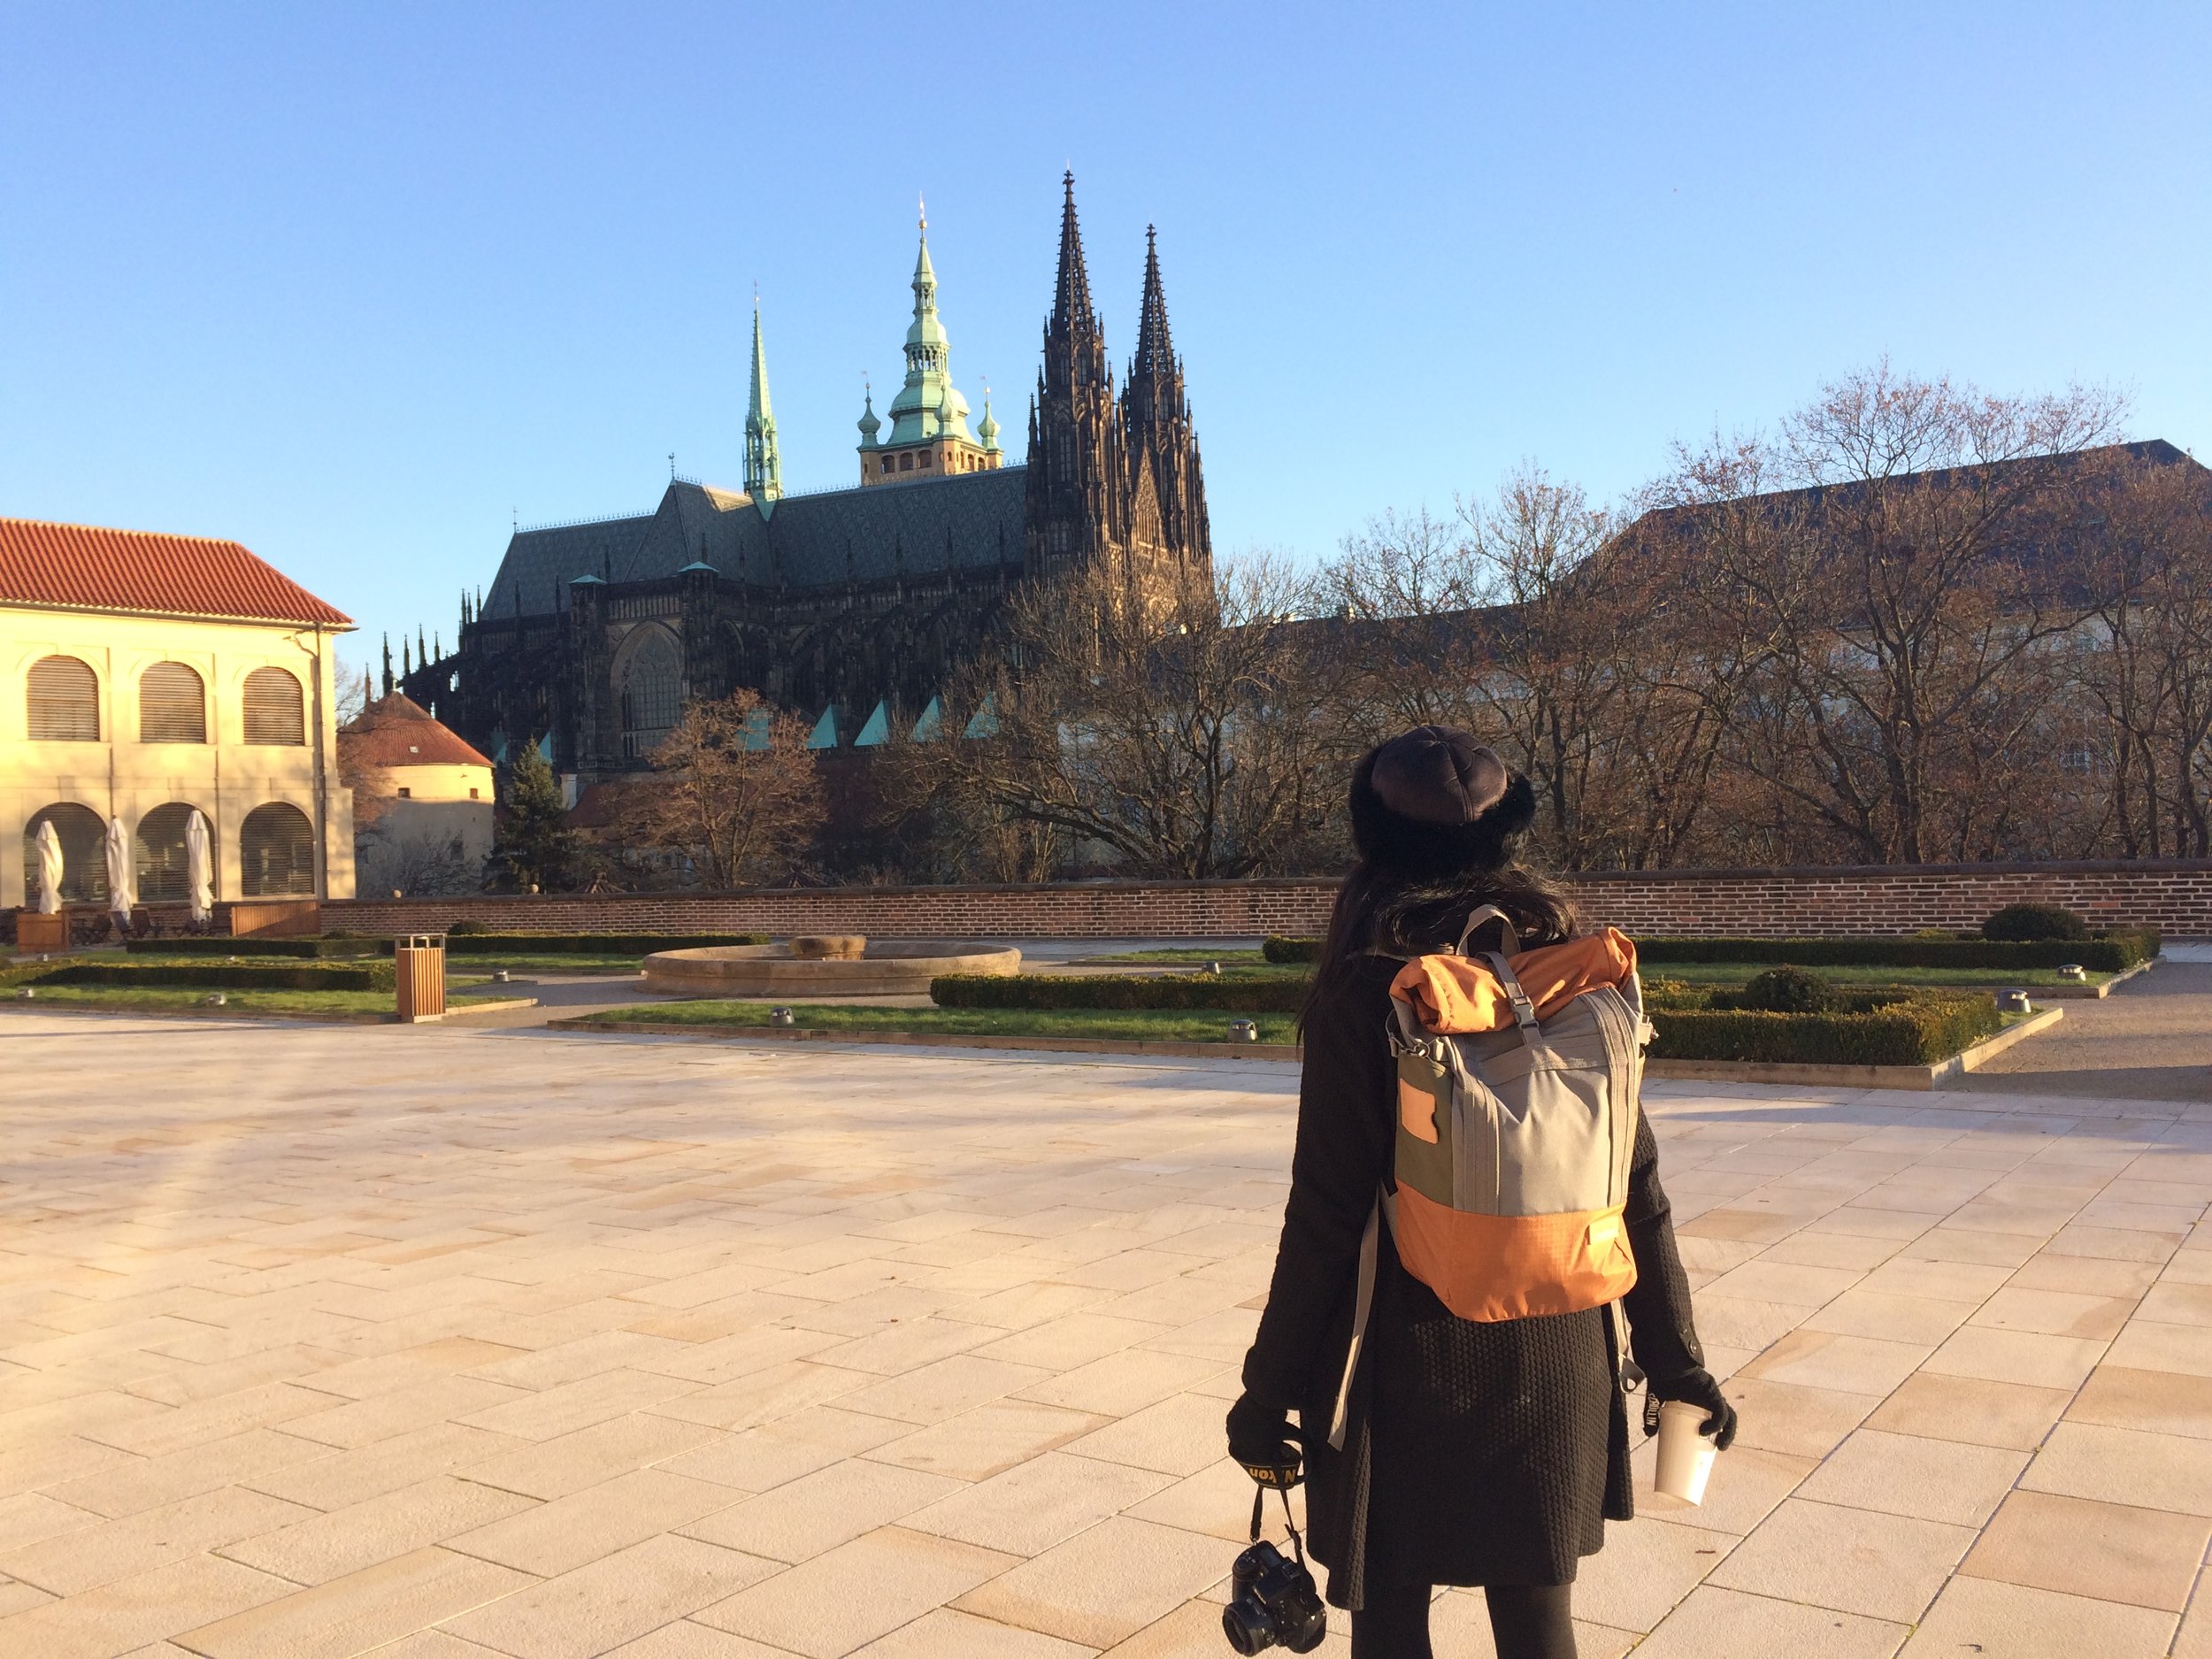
x=236 y=976
x=1914 y=1031
x=2107 y=953
x=2111 y=952
x=326 y=945
x=583 y=944
x=1118 y=990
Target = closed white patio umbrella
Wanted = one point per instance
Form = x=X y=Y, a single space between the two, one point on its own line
x=49 y=870
x=199 y=866
x=120 y=877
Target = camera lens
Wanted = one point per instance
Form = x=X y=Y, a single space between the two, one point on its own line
x=1248 y=1626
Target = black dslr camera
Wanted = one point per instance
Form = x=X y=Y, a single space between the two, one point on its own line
x=1275 y=1603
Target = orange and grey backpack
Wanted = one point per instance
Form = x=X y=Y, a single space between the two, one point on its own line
x=1518 y=1073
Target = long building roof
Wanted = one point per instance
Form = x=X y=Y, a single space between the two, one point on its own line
x=82 y=567
x=965 y=522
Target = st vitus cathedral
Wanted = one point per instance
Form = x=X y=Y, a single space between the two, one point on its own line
x=852 y=606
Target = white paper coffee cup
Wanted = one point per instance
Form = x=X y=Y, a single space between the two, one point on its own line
x=1686 y=1457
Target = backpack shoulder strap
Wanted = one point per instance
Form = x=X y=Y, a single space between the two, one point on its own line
x=1510 y=939
x=1363 y=1305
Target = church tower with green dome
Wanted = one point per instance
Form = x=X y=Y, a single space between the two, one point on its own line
x=929 y=435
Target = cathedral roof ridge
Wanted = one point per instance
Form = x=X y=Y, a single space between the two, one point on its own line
x=540 y=527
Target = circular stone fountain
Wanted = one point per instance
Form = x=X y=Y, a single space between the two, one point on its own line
x=802 y=967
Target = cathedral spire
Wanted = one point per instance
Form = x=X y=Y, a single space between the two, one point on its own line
x=1156 y=351
x=764 y=465
x=1166 y=488
x=1071 y=296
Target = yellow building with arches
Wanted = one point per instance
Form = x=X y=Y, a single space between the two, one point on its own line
x=142 y=676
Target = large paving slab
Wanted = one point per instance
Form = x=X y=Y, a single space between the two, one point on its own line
x=476 y=1342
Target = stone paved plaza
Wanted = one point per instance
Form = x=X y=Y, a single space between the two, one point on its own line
x=445 y=1344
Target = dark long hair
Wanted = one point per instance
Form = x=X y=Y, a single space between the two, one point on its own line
x=1381 y=911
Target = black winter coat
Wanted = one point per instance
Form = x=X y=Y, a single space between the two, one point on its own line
x=1475 y=1452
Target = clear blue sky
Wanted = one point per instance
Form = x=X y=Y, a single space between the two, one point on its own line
x=355 y=283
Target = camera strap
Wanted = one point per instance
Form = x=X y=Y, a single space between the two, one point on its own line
x=1259 y=1505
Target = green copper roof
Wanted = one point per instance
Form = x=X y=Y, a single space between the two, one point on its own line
x=876 y=730
x=928 y=405
x=869 y=425
x=987 y=428
x=763 y=465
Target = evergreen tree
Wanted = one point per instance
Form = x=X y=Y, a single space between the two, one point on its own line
x=531 y=843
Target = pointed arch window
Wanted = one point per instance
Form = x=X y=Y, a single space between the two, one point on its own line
x=651 y=694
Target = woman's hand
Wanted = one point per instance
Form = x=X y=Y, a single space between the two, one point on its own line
x=1697 y=1387
x=1262 y=1440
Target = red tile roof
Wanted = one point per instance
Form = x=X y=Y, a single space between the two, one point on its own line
x=397 y=730
x=77 y=567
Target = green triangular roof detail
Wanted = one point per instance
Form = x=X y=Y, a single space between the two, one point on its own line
x=875 y=730
x=931 y=726
x=984 y=723
x=825 y=732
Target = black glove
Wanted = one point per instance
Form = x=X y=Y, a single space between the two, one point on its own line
x=1262 y=1440
x=1695 y=1388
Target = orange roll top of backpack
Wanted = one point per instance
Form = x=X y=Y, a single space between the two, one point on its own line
x=1455 y=995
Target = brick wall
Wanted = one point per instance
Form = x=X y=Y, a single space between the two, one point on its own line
x=2174 y=896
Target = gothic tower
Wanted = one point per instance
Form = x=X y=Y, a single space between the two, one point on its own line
x=1167 y=491
x=1078 y=485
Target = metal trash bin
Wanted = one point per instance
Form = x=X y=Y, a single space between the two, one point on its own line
x=418 y=976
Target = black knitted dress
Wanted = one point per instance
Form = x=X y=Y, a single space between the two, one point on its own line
x=1475 y=1452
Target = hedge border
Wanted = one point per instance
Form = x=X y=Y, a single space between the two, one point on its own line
x=232 y=975
x=583 y=944
x=1119 y=991
x=2112 y=952
x=2108 y=953
x=324 y=945
x=1911 y=1031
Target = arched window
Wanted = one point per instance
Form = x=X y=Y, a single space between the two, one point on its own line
x=276 y=852
x=64 y=702
x=273 y=708
x=171 y=705
x=651 y=694
x=84 y=871
x=164 y=870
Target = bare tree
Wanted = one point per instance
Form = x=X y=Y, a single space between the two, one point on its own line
x=2143 y=663
x=1177 y=726
x=1905 y=615
x=734 y=790
x=421 y=862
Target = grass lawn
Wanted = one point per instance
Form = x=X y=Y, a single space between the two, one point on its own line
x=1866 y=976
x=568 y=962
x=122 y=998
x=1121 y=1024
